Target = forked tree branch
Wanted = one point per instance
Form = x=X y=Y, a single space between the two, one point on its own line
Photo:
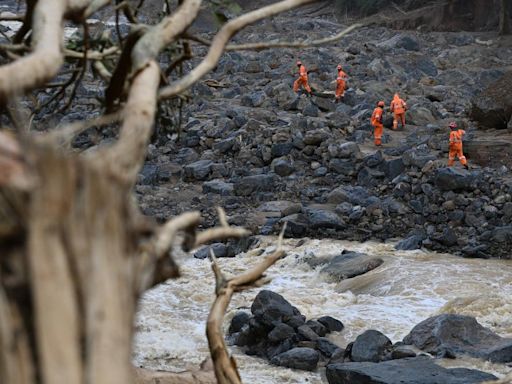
x=46 y=59
x=224 y=365
x=279 y=44
x=222 y=38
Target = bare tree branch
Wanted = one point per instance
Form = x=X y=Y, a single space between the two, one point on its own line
x=222 y=38
x=280 y=44
x=45 y=60
x=225 y=366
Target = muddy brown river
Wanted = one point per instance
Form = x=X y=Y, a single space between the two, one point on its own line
x=409 y=287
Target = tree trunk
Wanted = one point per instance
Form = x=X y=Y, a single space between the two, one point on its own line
x=504 y=27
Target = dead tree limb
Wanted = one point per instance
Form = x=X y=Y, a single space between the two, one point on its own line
x=281 y=44
x=46 y=58
x=221 y=40
x=225 y=366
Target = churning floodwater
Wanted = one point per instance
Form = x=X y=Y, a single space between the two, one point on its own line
x=409 y=287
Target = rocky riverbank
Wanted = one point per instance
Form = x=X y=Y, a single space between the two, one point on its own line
x=269 y=156
x=277 y=331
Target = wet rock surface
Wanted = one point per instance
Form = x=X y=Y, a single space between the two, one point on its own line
x=277 y=331
x=418 y=370
x=455 y=335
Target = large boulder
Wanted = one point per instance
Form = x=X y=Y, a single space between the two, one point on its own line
x=351 y=264
x=199 y=170
x=417 y=370
x=489 y=152
x=371 y=345
x=493 y=107
x=323 y=217
x=271 y=308
x=420 y=116
x=298 y=358
x=353 y=195
x=255 y=183
x=454 y=179
x=453 y=335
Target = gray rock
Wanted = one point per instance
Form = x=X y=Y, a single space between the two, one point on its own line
x=255 y=183
x=459 y=335
x=238 y=321
x=200 y=170
x=219 y=249
x=351 y=264
x=371 y=345
x=297 y=225
x=332 y=324
x=282 y=167
x=502 y=234
x=348 y=150
x=392 y=168
x=281 y=149
x=410 y=243
x=315 y=137
x=280 y=208
x=218 y=187
x=306 y=333
x=493 y=107
x=323 y=218
x=420 y=116
x=326 y=347
x=343 y=167
x=281 y=332
x=354 y=195
x=310 y=110
x=298 y=358
x=271 y=308
x=454 y=179
x=417 y=370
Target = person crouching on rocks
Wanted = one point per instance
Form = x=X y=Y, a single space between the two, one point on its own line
x=302 y=80
x=376 y=121
x=456 y=145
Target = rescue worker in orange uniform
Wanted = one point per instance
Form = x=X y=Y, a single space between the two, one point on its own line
x=340 y=84
x=398 y=107
x=456 y=145
x=376 y=120
x=302 y=80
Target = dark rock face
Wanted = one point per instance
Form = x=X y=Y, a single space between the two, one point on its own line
x=219 y=249
x=493 y=107
x=453 y=179
x=351 y=264
x=459 y=335
x=410 y=243
x=271 y=308
x=298 y=358
x=371 y=345
x=418 y=370
x=332 y=324
x=256 y=183
x=278 y=332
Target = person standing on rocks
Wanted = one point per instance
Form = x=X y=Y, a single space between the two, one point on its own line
x=376 y=121
x=456 y=145
x=302 y=80
x=398 y=108
x=340 y=84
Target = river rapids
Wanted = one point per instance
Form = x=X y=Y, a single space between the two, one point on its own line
x=409 y=287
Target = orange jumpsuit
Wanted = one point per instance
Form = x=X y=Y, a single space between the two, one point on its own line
x=376 y=121
x=456 y=147
x=340 y=84
x=398 y=107
x=302 y=80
